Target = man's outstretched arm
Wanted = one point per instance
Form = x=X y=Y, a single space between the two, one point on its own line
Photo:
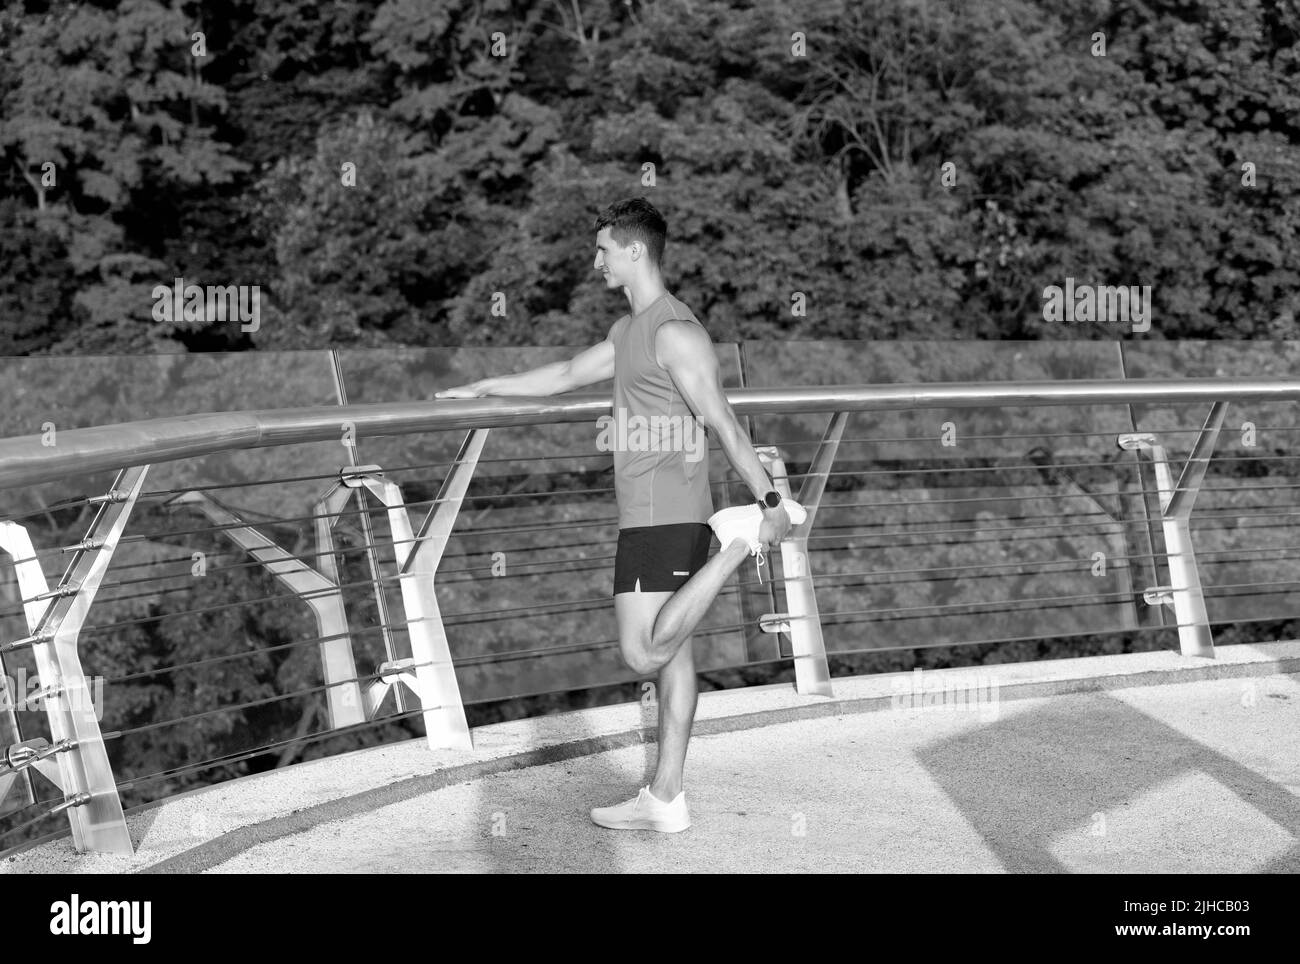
x=687 y=353
x=595 y=364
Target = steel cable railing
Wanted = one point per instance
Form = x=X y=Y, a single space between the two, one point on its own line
x=304 y=556
x=239 y=757
x=934 y=573
x=248 y=704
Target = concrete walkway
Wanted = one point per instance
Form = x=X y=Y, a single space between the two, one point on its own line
x=1180 y=779
x=1135 y=763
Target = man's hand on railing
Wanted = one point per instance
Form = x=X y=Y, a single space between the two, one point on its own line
x=472 y=390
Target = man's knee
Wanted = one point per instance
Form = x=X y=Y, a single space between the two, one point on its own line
x=636 y=653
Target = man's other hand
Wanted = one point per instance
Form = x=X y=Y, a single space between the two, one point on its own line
x=776 y=523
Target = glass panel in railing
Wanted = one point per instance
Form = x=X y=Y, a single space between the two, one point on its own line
x=210 y=664
x=966 y=525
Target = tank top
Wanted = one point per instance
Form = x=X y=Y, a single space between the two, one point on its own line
x=661 y=452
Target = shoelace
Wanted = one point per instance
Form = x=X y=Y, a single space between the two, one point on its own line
x=760 y=562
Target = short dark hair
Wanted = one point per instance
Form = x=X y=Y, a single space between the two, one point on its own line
x=635 y=219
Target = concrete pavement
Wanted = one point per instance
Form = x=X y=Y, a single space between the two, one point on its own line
x=1131 y=763
x=1179 y=779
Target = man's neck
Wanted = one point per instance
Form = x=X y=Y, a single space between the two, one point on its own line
x=644 y=293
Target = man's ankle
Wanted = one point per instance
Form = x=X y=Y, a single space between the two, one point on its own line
x=662 y=792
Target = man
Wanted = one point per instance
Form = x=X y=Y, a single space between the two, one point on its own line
x=665 y=377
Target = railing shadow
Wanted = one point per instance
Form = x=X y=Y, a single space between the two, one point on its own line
x=1035 y=783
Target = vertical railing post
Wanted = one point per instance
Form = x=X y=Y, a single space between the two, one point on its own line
x=83 y=773
x=418 y=556
x=324 y=529
x=1184 y=593
x=15 y=788
x=802 y=619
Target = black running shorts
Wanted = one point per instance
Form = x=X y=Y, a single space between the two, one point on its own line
x=662 y=558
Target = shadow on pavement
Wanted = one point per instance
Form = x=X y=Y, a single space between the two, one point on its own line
x=1029 y=781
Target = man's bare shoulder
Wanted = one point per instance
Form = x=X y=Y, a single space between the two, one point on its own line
x=679 y=340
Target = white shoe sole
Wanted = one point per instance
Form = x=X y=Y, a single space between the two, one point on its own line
x=640 y=824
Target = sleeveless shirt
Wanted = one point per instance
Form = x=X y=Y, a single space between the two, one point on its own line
x=661 y=452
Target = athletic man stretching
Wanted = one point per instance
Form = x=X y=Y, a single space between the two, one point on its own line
x=665 y=372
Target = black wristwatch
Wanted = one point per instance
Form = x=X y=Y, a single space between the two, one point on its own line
x=769 y=501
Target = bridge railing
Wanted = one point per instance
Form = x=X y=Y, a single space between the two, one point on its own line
x=253 y=622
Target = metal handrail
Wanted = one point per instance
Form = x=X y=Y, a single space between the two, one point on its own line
x=24 y=460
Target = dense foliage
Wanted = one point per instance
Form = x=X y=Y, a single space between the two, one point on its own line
x=1115 y=143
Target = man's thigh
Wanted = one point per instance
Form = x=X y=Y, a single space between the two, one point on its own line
x=636 y=613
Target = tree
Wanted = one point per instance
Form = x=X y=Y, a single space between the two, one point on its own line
x=104 y=107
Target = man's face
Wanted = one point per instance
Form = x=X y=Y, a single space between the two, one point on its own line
x=613 y=260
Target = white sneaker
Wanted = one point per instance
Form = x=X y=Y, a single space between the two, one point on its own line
x=645 y=811
x=743 y=522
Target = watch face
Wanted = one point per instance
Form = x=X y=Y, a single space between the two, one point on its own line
x=772 y=500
